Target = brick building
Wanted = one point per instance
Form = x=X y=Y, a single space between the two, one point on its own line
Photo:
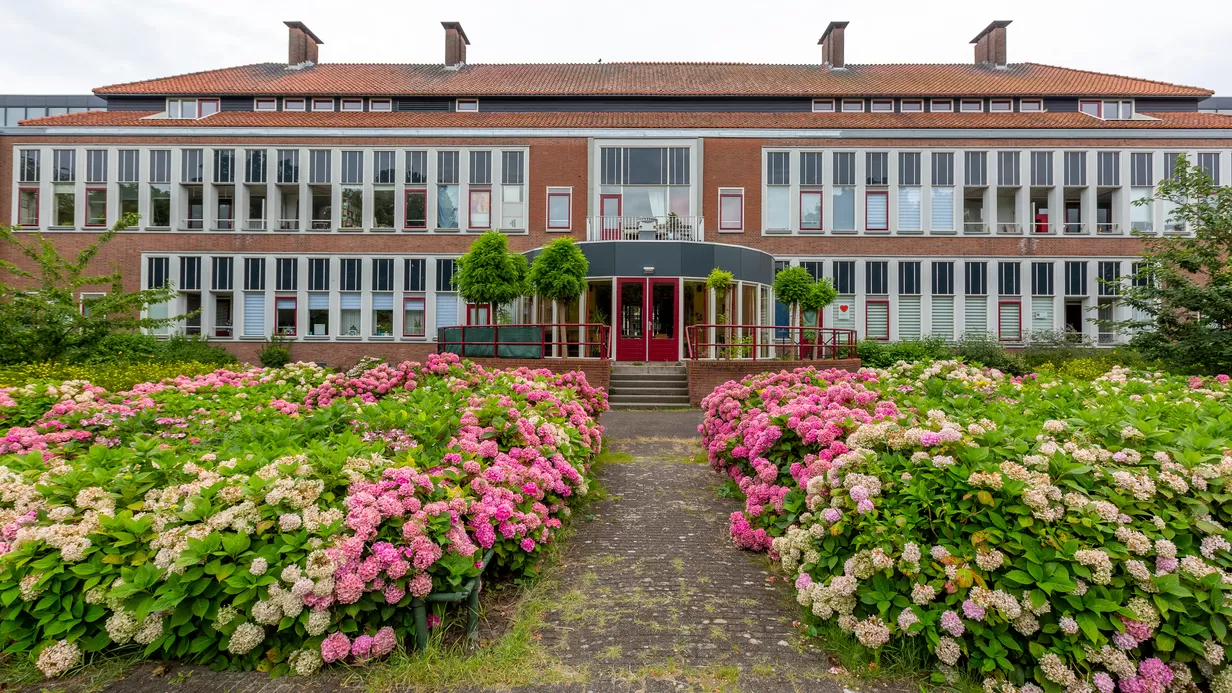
x=328 y=202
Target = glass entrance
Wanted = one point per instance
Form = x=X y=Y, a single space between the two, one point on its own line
x=664 y=321
x=649 y=320
x=631 y=339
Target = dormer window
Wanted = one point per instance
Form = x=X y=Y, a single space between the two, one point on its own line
x=883 y=106
x=941 y=106
x=293 y=105
x=352 y=104
x=380 y=105
x=853 y=105
x=823 y=105
x=1091 y=108
x=191 y=109
x=322 y=104
x=972 y=106
x=911 y=105
x=1118 y=110
x=265 y=104
x=1031 y=105
x=467 y=105
x=1001 y=106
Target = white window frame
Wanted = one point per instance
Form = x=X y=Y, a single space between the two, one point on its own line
x=1031 y=106
x=941 y=105
x=882 y=106
x=265 y=104
x=472 y=105
x=911 y=106
x=352 y=105
x=1001 y=106
x=182 y=101
x=320 y=104
x=731 y=192
x=823 y=105
x=555 y=191
x=380 y=105
x=857 y=105
x=978 y=103
x=294 y=104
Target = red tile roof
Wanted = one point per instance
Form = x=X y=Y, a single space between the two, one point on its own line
x=654 y=79
x=846 y=121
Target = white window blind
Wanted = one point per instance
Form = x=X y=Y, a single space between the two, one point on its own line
x=909 y=209
x=446 y=310
x=254 y=314
x=943 y=209
x=1041 y=313
x=1010 y=321
x=908 y=317
x=318 y=301
x=382 y=301
x=976 y=314
x=778 y=207
x=878 y=320
x=845 y=319
x=349 y=301
x=877 y=212
x=943 y=316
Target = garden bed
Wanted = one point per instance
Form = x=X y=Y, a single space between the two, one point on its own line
x=276 y=519
x=1034 y=532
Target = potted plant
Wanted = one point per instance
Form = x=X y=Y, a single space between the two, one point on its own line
x=820 y=294
x=719 y=281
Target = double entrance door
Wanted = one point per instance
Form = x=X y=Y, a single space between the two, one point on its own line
x=648 y=320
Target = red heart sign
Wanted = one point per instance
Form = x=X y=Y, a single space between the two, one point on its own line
x=843 y=308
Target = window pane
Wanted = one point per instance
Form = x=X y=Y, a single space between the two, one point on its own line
x=909 y=209
x=416 y=209
x=877 y=211
x=447 y=206
x=383 y=209
x=844 y=209
x=778 y=207
x=480 y=209
x=558 y=211
x=810 y=210
x=96 y=207
x=942 y=209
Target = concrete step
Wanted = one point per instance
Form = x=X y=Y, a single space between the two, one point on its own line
x=616 y=406
x=640 y=380
x=649 y=369
x=666 y=400
x=650 y=394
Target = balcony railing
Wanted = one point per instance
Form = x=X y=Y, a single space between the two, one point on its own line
x=653 y=228
x=755 y=342
x=534 y=341
x=192 y=224
x=1108 y=229
x=254 y=225
x=225 y=224
x=974 y=227
x=1075 y=228
x=321 y=225
x=288 y=224
x=1009 y=229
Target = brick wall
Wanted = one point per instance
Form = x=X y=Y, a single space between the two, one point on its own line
x=705 y=376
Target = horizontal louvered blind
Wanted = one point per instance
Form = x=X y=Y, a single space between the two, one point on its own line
x=254 y=314
x=318 y=301
x=943 y=209
x=908 y=317
x=446 y=310
x=877 y=319
x=1009 y=321
x=976 y=314
x=1041 y=313
x=844 y=319
x=382 y=301
x=943 y=316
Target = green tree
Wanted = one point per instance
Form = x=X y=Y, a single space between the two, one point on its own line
x=792 y=285
x=40 y=316
x=489 y=273
x=821 y=294
x=559 y=271
x=1184 y=286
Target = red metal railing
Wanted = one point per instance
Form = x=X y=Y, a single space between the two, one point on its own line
x=528 y=341
x=712 y=341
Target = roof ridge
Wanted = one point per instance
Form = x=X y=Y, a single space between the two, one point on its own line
x=1121 y=76
x=180 y=75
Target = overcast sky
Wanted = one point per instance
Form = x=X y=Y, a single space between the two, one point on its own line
x=72 y=46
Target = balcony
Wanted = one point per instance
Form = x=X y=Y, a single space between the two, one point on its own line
x=288 y=224
x=254 y=225
x=657 y=228
x=1075 y=228
x=974 y=228
x=1108 y=229
x=1011 y=229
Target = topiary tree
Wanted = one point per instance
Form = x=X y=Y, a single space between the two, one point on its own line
x=792 y=285
x=821 y=294
x=718 y=281
x=559 y=271
x=41 y=316
x=489 y=273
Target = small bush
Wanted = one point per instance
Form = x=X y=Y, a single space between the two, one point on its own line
x=129 y=347
x=275 y=354
x=985 y=349
x=877 y=354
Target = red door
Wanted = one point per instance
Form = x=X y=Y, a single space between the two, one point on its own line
x=663 y=326
x=631 y=320
x=609 y=220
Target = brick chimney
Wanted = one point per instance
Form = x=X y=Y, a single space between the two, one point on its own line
x=455 y=44
x=301 y=44
x=832 y=46
x=990 y=44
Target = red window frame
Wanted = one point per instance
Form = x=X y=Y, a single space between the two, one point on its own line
x=568 y=215
x=739 y=222
x=294 y=311
x=470 y=202
x=882 y=102
x=405 y=200
x=869 y=194
x=322 y=101
x=388 y=105
x=917 y=103
x=475 y=310
x=217 y=106
x=38 y=203
x=86 y=208
x=868 y=303
x=1007 y=103
x=423 y=306
x=818 y=102
x=821 y=206
x=1000 y=337
x=295 y=104
x=345 y=102
x=265 y=104
x=935 y=103
x=1099 y=107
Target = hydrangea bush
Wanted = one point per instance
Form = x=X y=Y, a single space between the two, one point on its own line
x=276 y=519
x=1039 y=532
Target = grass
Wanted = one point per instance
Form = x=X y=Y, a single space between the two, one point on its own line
x=98 y=672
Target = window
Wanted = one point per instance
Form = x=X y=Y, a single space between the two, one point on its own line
x=1109 y=278
x=318 y=274
x=63 y=204
x=191 y=109
x=810 y=210
x=480 y=209
x=778 y=191
x=513 y=198
x=293 y=105
x=444 y=274
x=383 y=274
x=814 y=269
x=823 y=105
x=254 y=314
x=810 y=168
x=560 y=202
x=943 y=278
x=467 y=105
x=414 y=274
x=844 y=192
x=909 y=278
x=352 y=168
x=64 y=165
x=28 y=168
x=1075 y=279
x=1142 y=210
x=160 y=205
x=414 y=317
x=976 y=279
x=1091 y=108
x=976 y=168
x=96 y=206
x=318 y=312
x=911 y=106
x=380 y=105
x=1041 y=168
x=349 y=304
x=352 y=104
x=882 y=106
x=845 y=276
x=254 y=166
x=28 y=206
x=1108 y=168
x=383 y=168
x=319 y=169
x=224 y=165
x=1001 y=106
x=877 y=277
x=1009 y=278
x=383 y=204
x=876 y=168
x=1031 y=105
x=96 y=166
x=941 y=106
x=417 y=168
x=972 y=106
x=1118 y=110
x=1041 y=278
x=876 y=210
x=265 y=104
x=158 y=273
x=447 y=189
x=286 y=272
x=1142 y=169
x=731 y=209
x=1009 y=321
x=350 y=277
x=853 y=105
x=288 y=165
x=416 y=216
x=254 y=274
x=909 y=194
x=909 y=168
x=192 y=165
x=221 y=274
x=322 y=104
x=284 y=315
x=1076 y=168
x=1209 y=163
x=1008 y=168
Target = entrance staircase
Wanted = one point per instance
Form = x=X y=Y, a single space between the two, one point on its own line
x=649 y=386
